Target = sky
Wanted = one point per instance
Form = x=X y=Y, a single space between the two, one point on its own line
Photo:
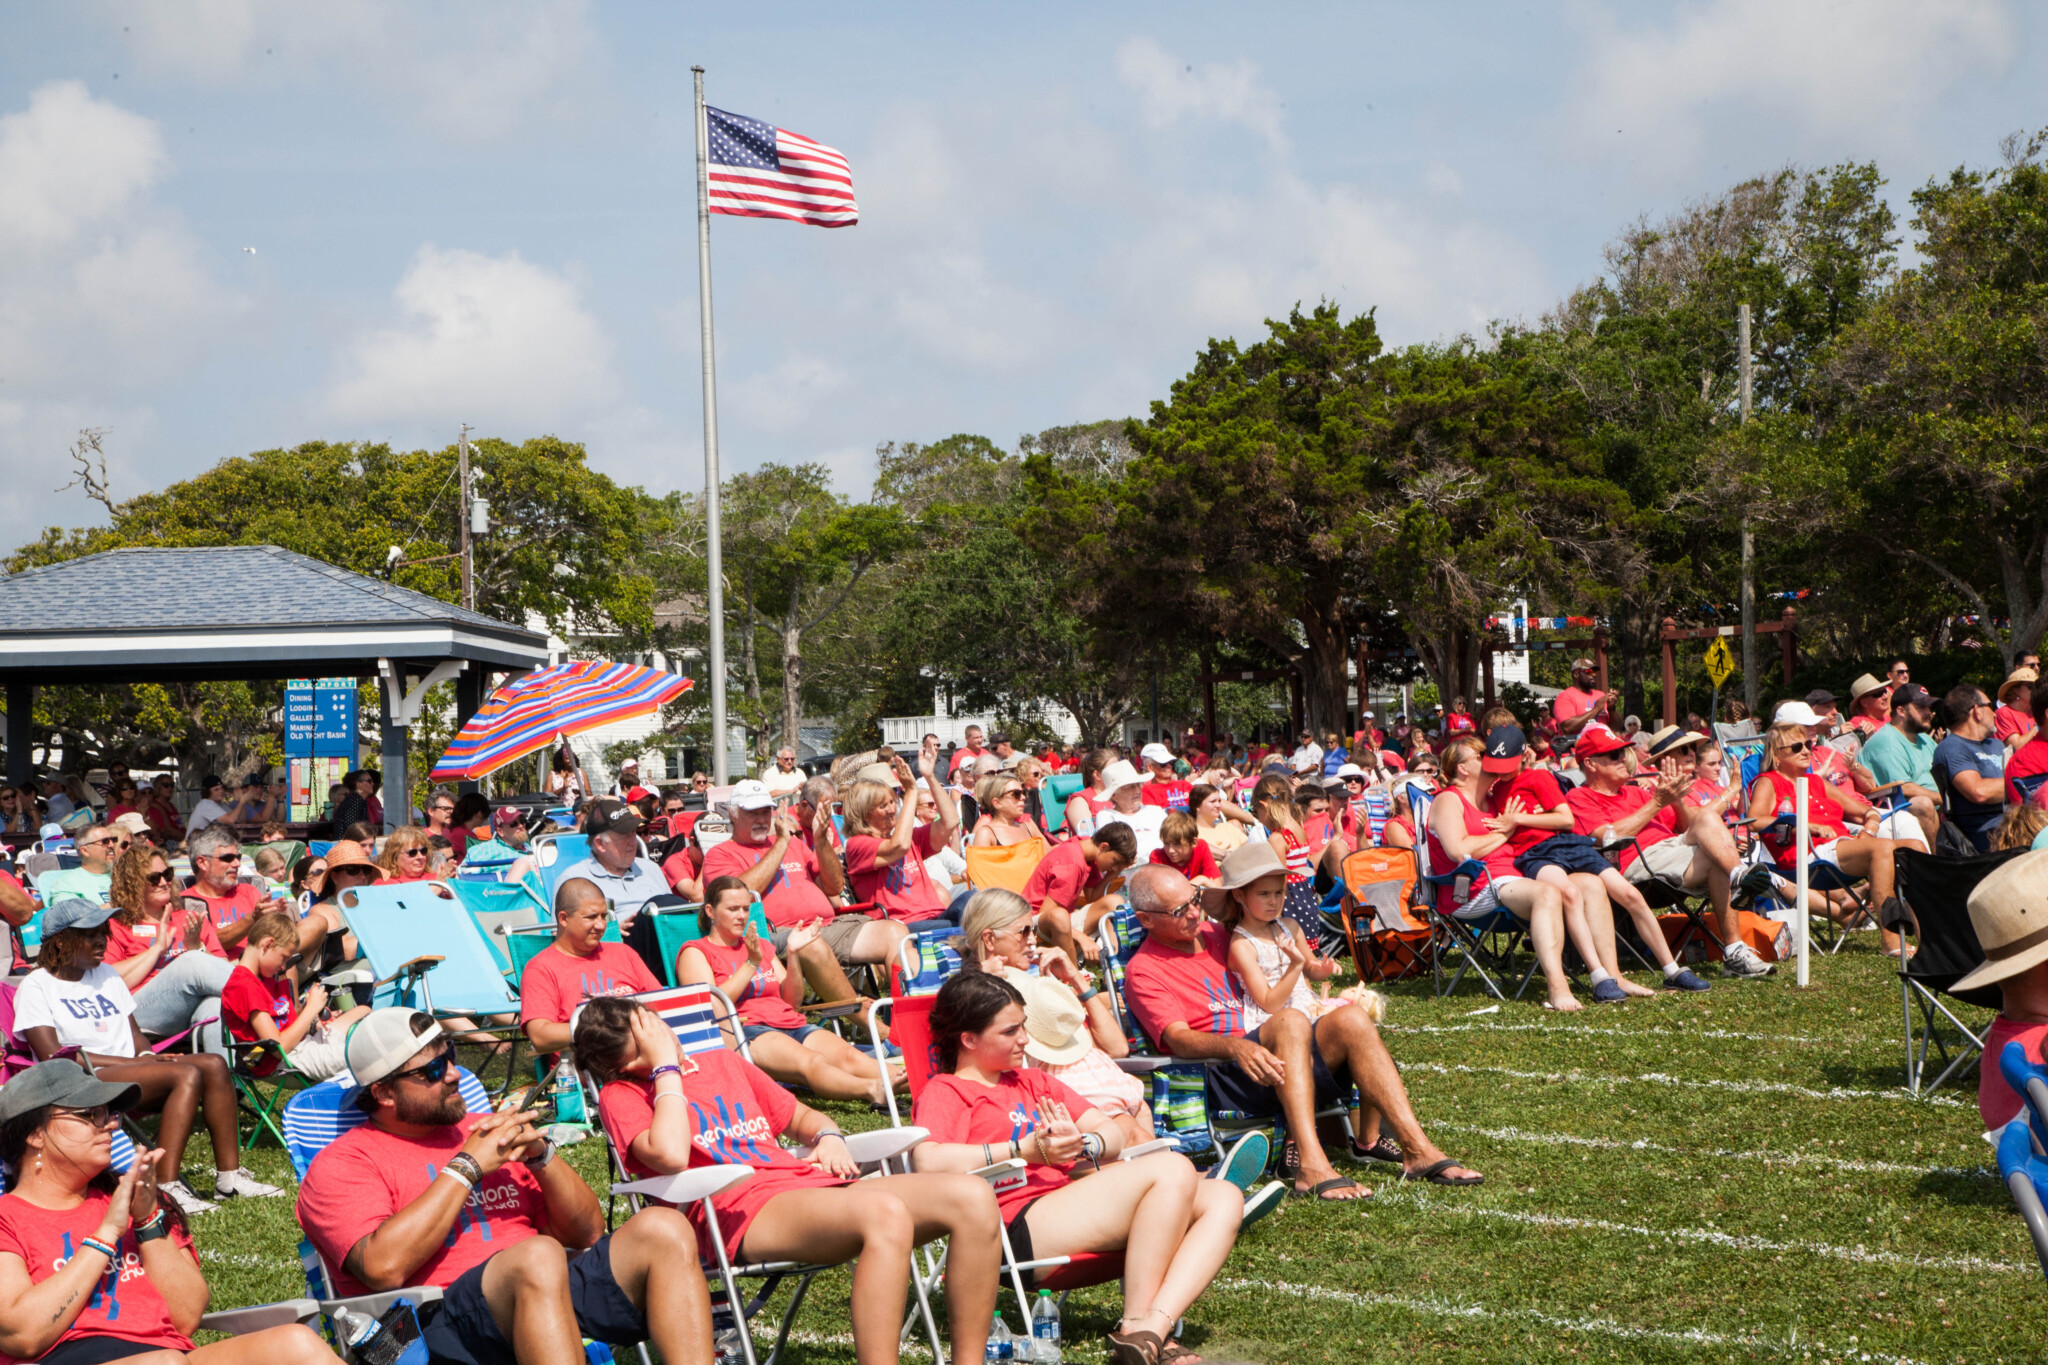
x=232 y=225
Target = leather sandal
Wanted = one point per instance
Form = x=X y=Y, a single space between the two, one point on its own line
x=1135 y=1348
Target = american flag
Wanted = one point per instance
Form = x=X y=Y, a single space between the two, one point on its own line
x=761 y=171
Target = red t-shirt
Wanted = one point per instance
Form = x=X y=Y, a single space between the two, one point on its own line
x=367 y=1175
x=124 y=1303
x=1499 y=864
x=1065 y=876
x=762 y=1002
x=736 y=1113
x=1823 y=814
x=956 y=1109
x=902 y=889
x=2029 y=760
x=555 y=983
x=1592 y=811
x=1577 y=701
x=792 y=896
x=238 y=904
x=246 y=995
x=1166 y=986
x=1998 y=1103
x=1539 y=793
x=2010 y=721
x=1172 y=795
x=124 y=942
x=687 y=861
x=1200 y=863
x=964 y=756
x=1459 y=723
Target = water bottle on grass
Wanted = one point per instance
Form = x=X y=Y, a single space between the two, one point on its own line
x=1045 y=1329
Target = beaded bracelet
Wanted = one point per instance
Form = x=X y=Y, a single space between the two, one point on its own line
x=665 y=1069
x=95 y=1244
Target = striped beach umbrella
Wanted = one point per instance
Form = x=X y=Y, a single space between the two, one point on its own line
x=531 y=713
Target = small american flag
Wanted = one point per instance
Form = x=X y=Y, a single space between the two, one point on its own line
x=760 y=171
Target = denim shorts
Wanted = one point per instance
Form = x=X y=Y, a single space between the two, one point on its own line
x=801 y=1033
x=464 y=1332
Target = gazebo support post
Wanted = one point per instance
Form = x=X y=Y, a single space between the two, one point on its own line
x=470 y=688
x=21 y=704
x=391 y=756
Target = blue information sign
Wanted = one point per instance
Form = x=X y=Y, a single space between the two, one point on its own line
x=298 y=718
x=334 y=719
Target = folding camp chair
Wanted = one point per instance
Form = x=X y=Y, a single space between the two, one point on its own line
x=554 y=853
x=676 y=930
x=1054 y=795
x=1009 y=868
x=1386 y=941
x=696 y=1014
x=1937 y=892
x=499 y=909
x=1482 y=944
x=259 y=1097
x=2021 y=1164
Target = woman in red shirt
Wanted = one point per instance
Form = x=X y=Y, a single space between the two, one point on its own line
x=1174 y=1228
x=886 y=848
x=737 y=960
x=1086 y=806
x=1458 y=830
x=724 y=1109
x=96 y=1268
x=1788 y=764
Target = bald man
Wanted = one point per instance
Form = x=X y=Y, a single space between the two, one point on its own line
x=1181 y=990
x=578 y=966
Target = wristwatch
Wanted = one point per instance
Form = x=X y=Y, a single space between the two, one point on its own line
x=537 y=1164
x=158 y=1226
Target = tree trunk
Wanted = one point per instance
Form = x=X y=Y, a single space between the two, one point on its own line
x=792 y=677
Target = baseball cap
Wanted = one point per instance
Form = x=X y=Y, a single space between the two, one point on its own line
x=507 y=816
x=751 y=794
x=1156 y=753
x=63 y=1081
x=1912 y=694
x=1795 y=713
x=1503 y=750
x=75 y=912
x=210 y=781
x=1584 y=666
x=637 y=793
x=1594 y=743
x=608 y=816
x=383 y=1041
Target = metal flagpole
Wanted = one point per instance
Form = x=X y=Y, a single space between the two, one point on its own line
x=715 y=602
x=1802 y=837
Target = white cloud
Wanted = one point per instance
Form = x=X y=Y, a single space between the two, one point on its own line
x=493 y=340
x=71 y=162
x=471 y=69
x=782 y=399
x=1170 y=89
x=1828 y=68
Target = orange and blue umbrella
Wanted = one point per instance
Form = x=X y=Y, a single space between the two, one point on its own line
x=544 y=707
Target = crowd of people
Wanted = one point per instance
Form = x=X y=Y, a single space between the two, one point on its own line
x=806 y=886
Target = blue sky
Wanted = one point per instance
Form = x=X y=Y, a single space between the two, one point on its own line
x=483 y=211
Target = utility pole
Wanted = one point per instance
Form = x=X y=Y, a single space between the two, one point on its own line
x=464 y=516
x=1749 y=679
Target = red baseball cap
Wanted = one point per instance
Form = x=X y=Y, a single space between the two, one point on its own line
x=1595 y=743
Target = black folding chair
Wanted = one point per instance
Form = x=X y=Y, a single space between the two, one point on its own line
x=1936 y=891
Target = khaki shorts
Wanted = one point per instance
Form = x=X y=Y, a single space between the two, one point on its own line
x=839 y=936
x=1666 y=860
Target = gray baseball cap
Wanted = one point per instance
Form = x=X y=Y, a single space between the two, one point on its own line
x=384 y=1040
x=64 y=1082
x=76 y=912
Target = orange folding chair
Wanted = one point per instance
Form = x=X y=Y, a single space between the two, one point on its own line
x=1387 y=942
x=1010 y=868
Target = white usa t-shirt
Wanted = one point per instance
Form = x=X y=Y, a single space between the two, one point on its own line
x=91 y=1013
x=1144 y=822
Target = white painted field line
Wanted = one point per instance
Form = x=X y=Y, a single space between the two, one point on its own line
x=1723 y=1153
x=1708 y=1237
x=1459 y=1308
x=1658 y=1078
x=1572 y=1030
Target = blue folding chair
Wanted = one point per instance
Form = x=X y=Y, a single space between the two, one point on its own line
x=499 y=910
x=2023 y=1145
x=554 y=854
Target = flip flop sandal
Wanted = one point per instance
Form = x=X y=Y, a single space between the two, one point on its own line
x=1434 y=1174
x=1173 y=1353
x=1135 y=1348
x=1383 y=1148
x=1320 y=1191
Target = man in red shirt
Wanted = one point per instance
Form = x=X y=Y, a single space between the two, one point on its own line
x=969 y=751
x=1067 y=887
x=578 y=966
x=1680 y=844
x=1583 y=705
x=799 y=882
x=230 y=903
x=1182 y=992
x=479 y=1206
x=1166 y=788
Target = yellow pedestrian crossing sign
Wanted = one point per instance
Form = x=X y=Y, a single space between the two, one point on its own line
x=1720 y=661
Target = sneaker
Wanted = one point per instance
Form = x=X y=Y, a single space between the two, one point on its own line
x=1608 y=991
x=1739 y=959
x=188 y=1203
x=228 y=1184
x=1684 y=979
x=1259 y=1203
x=1245 y=1162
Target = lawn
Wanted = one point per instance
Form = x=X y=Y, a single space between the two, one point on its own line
x=1729 y=1175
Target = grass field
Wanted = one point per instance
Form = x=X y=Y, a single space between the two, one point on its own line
x=1723 y=1176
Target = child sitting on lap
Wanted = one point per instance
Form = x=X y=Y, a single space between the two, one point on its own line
x=257 y=1005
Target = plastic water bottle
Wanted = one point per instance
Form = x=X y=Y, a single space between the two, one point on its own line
x=1001 y=1346
x=357 y=1329
x=1045 y=1329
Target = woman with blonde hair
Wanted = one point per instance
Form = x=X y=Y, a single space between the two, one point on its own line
x=1003 y=800
x=407 y=855
x=1830 y=812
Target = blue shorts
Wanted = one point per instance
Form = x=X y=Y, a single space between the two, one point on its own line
x=1566 y=850
x=754 y=1031
x=463 y=1332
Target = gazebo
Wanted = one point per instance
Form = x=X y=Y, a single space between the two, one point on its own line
x=244 y=612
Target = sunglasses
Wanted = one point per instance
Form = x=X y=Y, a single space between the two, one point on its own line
x=1801 y=747
x=156 y=878
x=222 y=857
x=433 y=1073
x=99 y=1116
x=110 y=839
x=351 y=870
x=414 y=853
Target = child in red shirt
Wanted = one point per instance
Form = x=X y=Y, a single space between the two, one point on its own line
x=257 y=1005
x=1182 y=848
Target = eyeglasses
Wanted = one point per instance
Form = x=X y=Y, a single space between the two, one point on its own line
x=99 y=1116
x=433 y=1073
x=442 y=810
x=1189 y=908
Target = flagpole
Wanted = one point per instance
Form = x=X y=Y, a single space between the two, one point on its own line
x=715 y=603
